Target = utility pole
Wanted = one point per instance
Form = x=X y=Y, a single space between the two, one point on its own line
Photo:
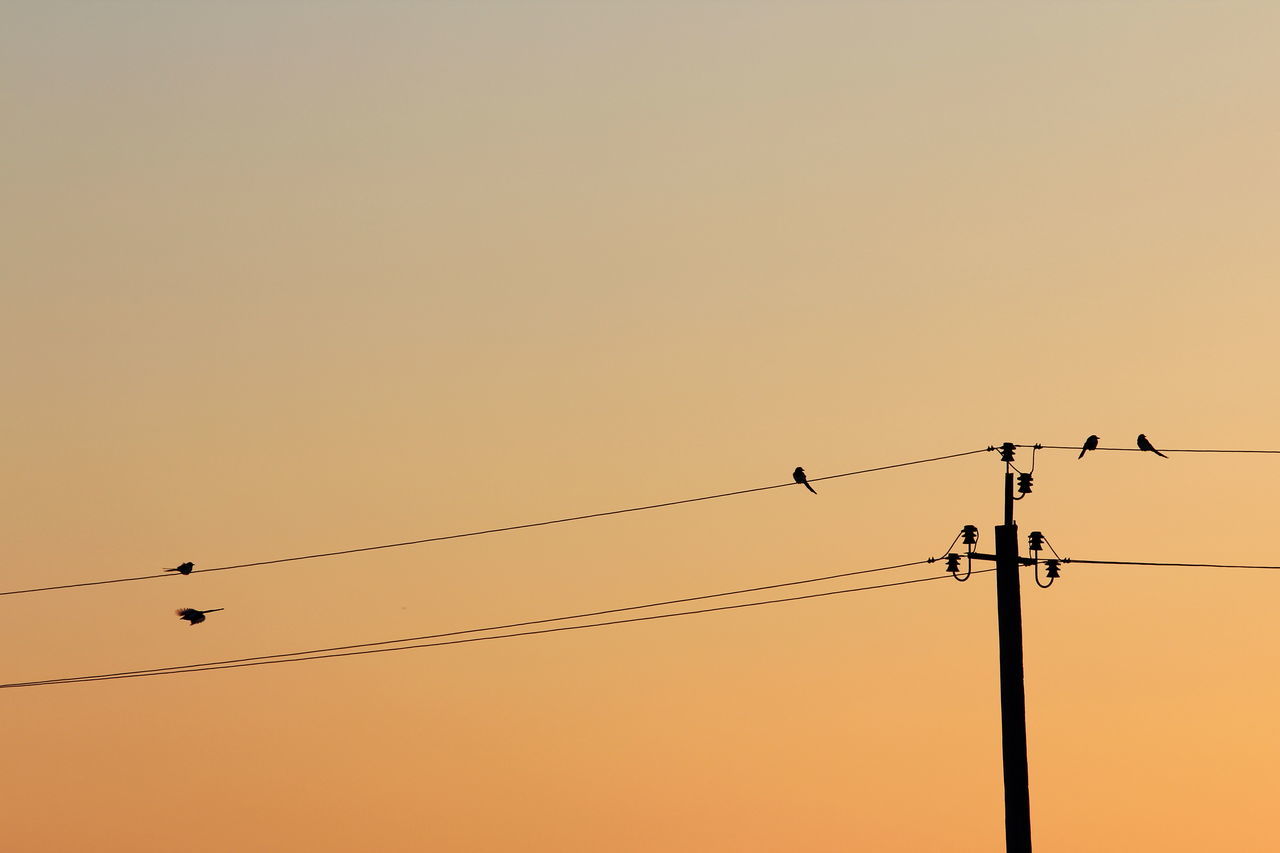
x=1013 y=700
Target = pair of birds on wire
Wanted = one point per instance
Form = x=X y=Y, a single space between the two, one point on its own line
x=190 y=614
x=1091 y=443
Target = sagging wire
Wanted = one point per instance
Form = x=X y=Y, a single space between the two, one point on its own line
x=1006 y=455
x=1035 y=543
x=969 y=535
x=1024 y=477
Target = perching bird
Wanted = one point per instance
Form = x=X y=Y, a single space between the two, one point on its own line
x=1143 y=444
x=195 y=617
x=185 y=568
x=802 y=479
x=1090 y=443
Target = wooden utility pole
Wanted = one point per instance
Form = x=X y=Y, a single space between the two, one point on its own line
x=1013 y=699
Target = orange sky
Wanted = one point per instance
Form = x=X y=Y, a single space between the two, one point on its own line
x=286 y=280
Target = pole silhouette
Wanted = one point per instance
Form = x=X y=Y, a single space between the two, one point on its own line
x=1013 y=700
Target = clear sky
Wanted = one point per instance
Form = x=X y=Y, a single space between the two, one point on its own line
x=283 y=278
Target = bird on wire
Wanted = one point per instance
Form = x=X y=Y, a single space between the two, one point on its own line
x=1090 y=443
x=1143 y=444
x=802 y=479
x=184 y=568
x=195 y=617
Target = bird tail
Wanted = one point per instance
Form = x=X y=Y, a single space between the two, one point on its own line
x=215 y=610
x=810 y=488
x=1081 y=456
x=1158 y=453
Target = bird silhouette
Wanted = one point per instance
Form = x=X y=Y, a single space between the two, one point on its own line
x=802 y=479
x=195 y=617
x=184 y=568
x=1143 y=444
x=1090 y=443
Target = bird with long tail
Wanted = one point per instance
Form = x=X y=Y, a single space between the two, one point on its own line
x=1143 y=444
x=195 y=617
x=802 y=479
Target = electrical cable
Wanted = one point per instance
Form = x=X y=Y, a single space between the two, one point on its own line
x=1148 y=563
x=510 y=625
x=497 y=529
x=453 y=642
x=1136 y=450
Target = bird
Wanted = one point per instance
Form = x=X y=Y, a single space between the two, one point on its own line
x=195 y=617
x=802 y=479
x=184 y=568
x=1143 y=444
x=1090 y=443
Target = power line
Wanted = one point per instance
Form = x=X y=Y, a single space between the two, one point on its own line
x=499 y=529
x=87 y=583
x=530 y=622
x=454 y=642
x=1149 y=563
x=1076 y=448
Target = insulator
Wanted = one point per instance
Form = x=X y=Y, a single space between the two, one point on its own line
x=1051 y=567
x=969 y=534
x=953 y=564
x=1035 y=541
x=1006 y=452
x=1024 y=484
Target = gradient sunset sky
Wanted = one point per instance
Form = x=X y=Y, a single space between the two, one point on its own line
x=286 y=278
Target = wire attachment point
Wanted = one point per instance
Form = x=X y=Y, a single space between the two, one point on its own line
x=1051 y=573
x=1024 y=485
x=953 y=567
x=1035 y=542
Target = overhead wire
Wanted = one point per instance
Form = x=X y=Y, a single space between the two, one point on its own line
x=492 y=530
x=1076 y=447
x=453 y=642
x=509 y=625
x=437 y=639
x=1075 y=560
x=527 y=623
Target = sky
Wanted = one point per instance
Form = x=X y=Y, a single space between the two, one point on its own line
x=283 y=279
